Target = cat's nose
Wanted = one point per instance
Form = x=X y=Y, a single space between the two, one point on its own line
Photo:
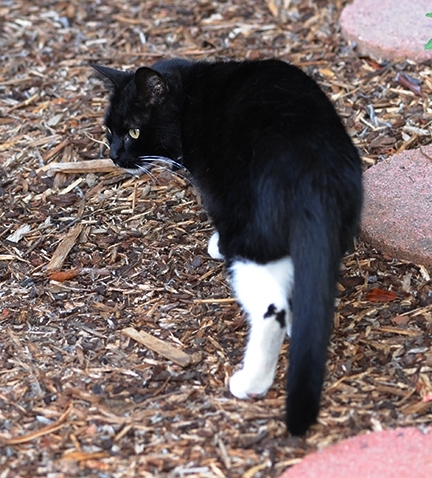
x=113 y=154
x=116 y=147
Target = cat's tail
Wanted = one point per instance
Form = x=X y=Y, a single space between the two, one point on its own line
x=315 y=251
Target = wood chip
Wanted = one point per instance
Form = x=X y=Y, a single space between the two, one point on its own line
x=63 y=249
x=159 y=346
x=90 y=166
x=396 y=330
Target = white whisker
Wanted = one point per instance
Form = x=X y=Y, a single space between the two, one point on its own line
x=164 y=163
x=140 y=170
x=162 y=159
x=149 y=173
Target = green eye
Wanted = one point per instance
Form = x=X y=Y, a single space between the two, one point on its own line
x=134 y=133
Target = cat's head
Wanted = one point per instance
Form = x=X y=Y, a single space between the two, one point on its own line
x=140 y=120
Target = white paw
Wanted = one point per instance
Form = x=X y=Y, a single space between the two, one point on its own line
x=213 y=247
x=244 y=385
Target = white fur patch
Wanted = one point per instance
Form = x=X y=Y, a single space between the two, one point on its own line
x=262 y=289
x=213 y=247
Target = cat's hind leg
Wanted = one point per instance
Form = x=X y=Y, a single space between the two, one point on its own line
x=263 y=290
x=213 y=247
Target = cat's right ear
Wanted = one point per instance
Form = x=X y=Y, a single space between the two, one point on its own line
x=112 y=78
x=151 y=86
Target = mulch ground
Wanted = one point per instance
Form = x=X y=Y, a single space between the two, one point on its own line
x=91 y=256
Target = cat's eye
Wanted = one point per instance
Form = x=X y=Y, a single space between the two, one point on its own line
x=134 y=133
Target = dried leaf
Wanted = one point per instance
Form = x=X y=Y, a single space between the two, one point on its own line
x=83 y=456
x=61 y=276
x=379 y=295
x=382 y=141
x=401 y=319
x=408 y=82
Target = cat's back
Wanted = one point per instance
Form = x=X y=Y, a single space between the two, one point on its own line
x=247 y=82
x=257 y=94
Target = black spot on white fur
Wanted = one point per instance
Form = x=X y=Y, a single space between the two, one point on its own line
x=279 y=315
x=270 y=311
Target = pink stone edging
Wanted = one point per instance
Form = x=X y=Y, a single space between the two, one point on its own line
x=399 y=453
x=389 y=29
x=397 y=213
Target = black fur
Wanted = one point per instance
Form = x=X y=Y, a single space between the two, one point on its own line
x=278 y=173
x=279 y=315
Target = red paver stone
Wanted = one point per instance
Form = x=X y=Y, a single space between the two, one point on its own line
x=397 y=214
x=389 y=29
x=400 y=453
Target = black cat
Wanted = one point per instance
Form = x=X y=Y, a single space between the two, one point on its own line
x=281 y=180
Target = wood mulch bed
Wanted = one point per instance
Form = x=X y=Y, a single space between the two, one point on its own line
x=90 y=257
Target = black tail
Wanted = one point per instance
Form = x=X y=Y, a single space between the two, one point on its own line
x=315 y=251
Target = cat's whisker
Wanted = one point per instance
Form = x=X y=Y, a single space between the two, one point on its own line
x=164 y=164
x=159 y=162
x=180 y=176
x=163 y=160
x=142 y=169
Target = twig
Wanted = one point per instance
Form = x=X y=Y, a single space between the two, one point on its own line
x=228 y=300
x=43 y=431
x=424 y=154
x=159 y=346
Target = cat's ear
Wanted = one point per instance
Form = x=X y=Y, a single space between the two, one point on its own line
x=113 y=78
x=151 y=86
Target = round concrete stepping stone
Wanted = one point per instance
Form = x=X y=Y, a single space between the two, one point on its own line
x=401 y=453
x=389 y=29
x=397 y=213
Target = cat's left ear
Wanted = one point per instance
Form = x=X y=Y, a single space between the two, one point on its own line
x=151 y=86
x=114 y=78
